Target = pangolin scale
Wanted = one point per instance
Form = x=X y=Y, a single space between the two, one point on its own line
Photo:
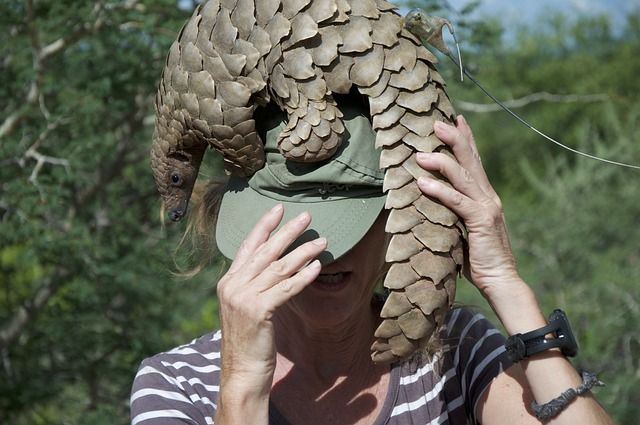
x=235 y=54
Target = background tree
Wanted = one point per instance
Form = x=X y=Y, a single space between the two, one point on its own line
x=85 y=288
x=85 y=285
x=574 y=221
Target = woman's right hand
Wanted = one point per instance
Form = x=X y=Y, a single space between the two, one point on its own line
x=257 y=283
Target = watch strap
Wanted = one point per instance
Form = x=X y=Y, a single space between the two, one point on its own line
x=520 y=346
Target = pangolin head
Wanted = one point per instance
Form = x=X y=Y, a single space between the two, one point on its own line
x=175 y=172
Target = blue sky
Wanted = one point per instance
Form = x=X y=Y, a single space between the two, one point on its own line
x=522 y=9
x=518 y=12
x=525 y=11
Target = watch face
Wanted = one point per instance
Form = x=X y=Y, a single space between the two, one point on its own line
x=569 y=345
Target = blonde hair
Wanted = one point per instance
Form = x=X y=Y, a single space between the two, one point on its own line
x=197 y=248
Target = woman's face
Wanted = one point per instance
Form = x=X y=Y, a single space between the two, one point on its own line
x=343 y=291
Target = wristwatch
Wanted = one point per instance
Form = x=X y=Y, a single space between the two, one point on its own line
x=520 y=346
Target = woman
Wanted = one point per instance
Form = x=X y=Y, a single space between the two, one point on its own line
x=297 y=321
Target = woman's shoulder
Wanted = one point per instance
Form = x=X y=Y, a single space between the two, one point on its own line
x=200 y=355
x=183 y=381
x=465 y=322
x=468 y=354
x=471 y=341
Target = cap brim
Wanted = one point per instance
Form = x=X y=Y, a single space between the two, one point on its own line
x=343 y=221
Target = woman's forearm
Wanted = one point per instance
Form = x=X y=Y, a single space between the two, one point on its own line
x=241 y=404
x=549 y=373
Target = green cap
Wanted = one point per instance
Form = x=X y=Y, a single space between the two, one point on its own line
x=343 y=194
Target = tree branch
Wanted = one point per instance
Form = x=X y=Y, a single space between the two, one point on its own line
x=13 y=120
x=12 y=329
x=62 y=43
x=41 y=159
x=531 y=98
x=40 y=56
x=48 y=286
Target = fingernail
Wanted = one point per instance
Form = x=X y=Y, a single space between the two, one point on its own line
x=424 y=182
x=314 y=265
x=440 y=126
x=320 y=241
x=423 y=155
x=303 y=216
x=276 y=209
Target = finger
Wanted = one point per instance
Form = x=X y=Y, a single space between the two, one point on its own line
x=287 y=266
x=461 y=204
x=459 y=141
x=280 y=294
x=273 y=248
x=462 y=143
x=459 y=177
x=258 y=236
x=465 y=130
x=274 y=286
x=286 y=289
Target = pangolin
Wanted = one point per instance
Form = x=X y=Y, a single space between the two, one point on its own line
x=235 y=54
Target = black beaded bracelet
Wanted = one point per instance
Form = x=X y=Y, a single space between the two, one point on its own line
x=555 y=406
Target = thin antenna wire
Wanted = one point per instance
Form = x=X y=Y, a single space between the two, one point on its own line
x=513 y=114
x=460 y=60
x=429 y=29
x=450 y=55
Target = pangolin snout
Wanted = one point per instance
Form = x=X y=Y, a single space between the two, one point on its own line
x=176 y=214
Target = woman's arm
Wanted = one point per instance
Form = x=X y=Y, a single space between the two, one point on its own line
x=257 y=283
x=492 y=269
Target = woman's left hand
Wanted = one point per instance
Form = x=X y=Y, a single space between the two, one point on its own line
x=490 y=259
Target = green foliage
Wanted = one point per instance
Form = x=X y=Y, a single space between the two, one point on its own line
x=573 y=221
x=578 y=57
x=583 y=255
x=85 y=288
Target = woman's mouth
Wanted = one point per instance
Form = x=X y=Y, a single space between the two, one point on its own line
x=331 y=282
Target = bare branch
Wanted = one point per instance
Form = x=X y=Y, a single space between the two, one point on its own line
x=89 y=28
x=41 y=159
x=62 y=43
x=126 y=4
x=12 y=329
x=526 y=100
x=40 y=56
x=13 y=120
x=10 y=123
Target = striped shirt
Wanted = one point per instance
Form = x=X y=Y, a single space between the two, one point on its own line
x=181 y=386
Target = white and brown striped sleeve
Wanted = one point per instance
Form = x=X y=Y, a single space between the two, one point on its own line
x=180 y=386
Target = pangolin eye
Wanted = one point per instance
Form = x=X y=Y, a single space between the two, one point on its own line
x=176 y=179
